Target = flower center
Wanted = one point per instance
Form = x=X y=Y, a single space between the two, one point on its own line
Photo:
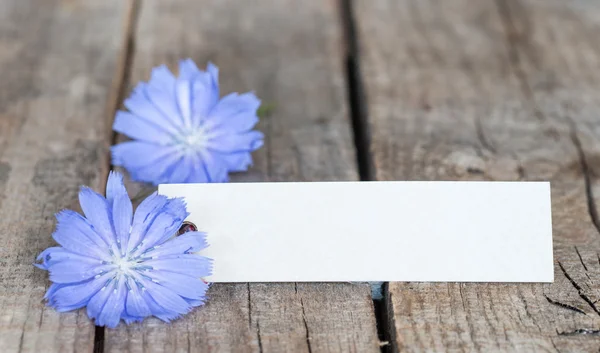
x=123 y=264
x=192 y=140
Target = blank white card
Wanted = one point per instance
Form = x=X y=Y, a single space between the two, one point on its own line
x=374 y=231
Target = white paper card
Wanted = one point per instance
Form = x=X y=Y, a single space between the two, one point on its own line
x=374 y=231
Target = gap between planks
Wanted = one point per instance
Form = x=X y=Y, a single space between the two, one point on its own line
x=388 y=155
x=358 y=115
x=118 y=90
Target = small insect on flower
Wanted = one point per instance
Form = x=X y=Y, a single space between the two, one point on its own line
x=182 y=132
x=122 y=265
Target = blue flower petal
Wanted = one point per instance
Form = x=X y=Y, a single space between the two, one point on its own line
x=54 y=255
x=139 y=104
x=235 y=103
x=77 y=226
x=141 y=129
x=164 y=102
x=216 y=168
x=148 y=207
x=167 y=299
x=131 y=319
x=123 y=266
x=235 y=113
x=189 y=133
x=97 y=301
x=186 y=243
x=147 y=161
x=52 y=290
x=235 y=143
x=136 y=154
x=213 y=70
x=197 y=92
x=114 y=187
x=205 y=95
x=194 y=302
x=198 y=172
x=135 y=304
x=159 y=175
x=144 y=216
x=96 y=210
x=113 y=308
x=181 y=169
x=183 y=285
x=70 y=238
x=74 y=271
x=122 y=216
x=236 y=162
x=78 y=295
x=163 y=227
x=162 y=79
x=188 y=69
x=176 y=207
x=183 y=96
x=160 y=311
x=187 y=264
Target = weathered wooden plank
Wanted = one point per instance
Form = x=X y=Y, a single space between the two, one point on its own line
x=57 y=60
x=291 y=54
x=462 y=90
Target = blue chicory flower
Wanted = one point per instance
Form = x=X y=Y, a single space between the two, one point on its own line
x=182 y=132
x=122 y=265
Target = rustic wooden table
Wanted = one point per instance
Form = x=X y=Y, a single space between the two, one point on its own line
x=369 y=89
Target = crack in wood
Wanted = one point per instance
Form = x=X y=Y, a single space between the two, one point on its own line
x=519 y=95
x=249 y=306
x=554 y=346
x=581 y=331
x=581 y=259
x=20 y=348
x=585 y=170
x=512 y=39
x=260 y=346
x=579 y=289
x=563 y=305
x=303 y=318
x=305 y=326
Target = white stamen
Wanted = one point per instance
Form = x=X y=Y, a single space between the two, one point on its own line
x=193 y=140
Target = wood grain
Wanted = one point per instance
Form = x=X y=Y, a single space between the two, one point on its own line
x=58 y=60
x=290 y=53
x=506 y=90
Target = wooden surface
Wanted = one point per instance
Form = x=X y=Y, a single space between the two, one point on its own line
x=57 y=63
x=453 y=90
x=291 y=54
x=462 y=90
